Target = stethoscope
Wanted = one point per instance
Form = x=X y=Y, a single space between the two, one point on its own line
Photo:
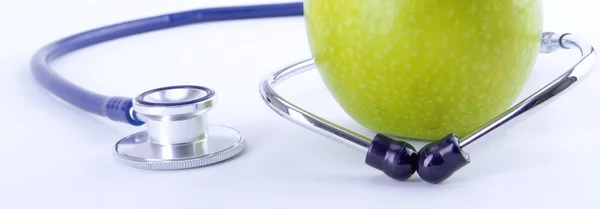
x=178 y=134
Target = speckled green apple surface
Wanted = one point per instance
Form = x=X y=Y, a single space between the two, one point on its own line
x=424 y=68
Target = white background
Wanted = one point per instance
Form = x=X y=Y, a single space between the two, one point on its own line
x=56 y=156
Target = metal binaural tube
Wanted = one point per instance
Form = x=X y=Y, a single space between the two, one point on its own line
x=302 y=117
x=550 y=42
x=438 y=160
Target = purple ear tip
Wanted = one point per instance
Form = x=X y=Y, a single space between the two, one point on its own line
x=439 y=160
x=397 y=159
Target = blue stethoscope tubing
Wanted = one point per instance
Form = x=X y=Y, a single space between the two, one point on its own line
x=119 y=108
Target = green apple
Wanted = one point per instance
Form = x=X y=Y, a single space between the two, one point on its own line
x=424 y=68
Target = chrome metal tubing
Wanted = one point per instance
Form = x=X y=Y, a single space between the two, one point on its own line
x=305 y=118
x=550 y=42
x=547 y=94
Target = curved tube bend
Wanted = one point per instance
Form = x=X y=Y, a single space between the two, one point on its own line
x=549 y=42
x=119 y=108
x=302 y=117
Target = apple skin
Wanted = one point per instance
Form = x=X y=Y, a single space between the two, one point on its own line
x=424 y=68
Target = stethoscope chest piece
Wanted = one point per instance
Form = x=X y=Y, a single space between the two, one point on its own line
x=178 y=135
